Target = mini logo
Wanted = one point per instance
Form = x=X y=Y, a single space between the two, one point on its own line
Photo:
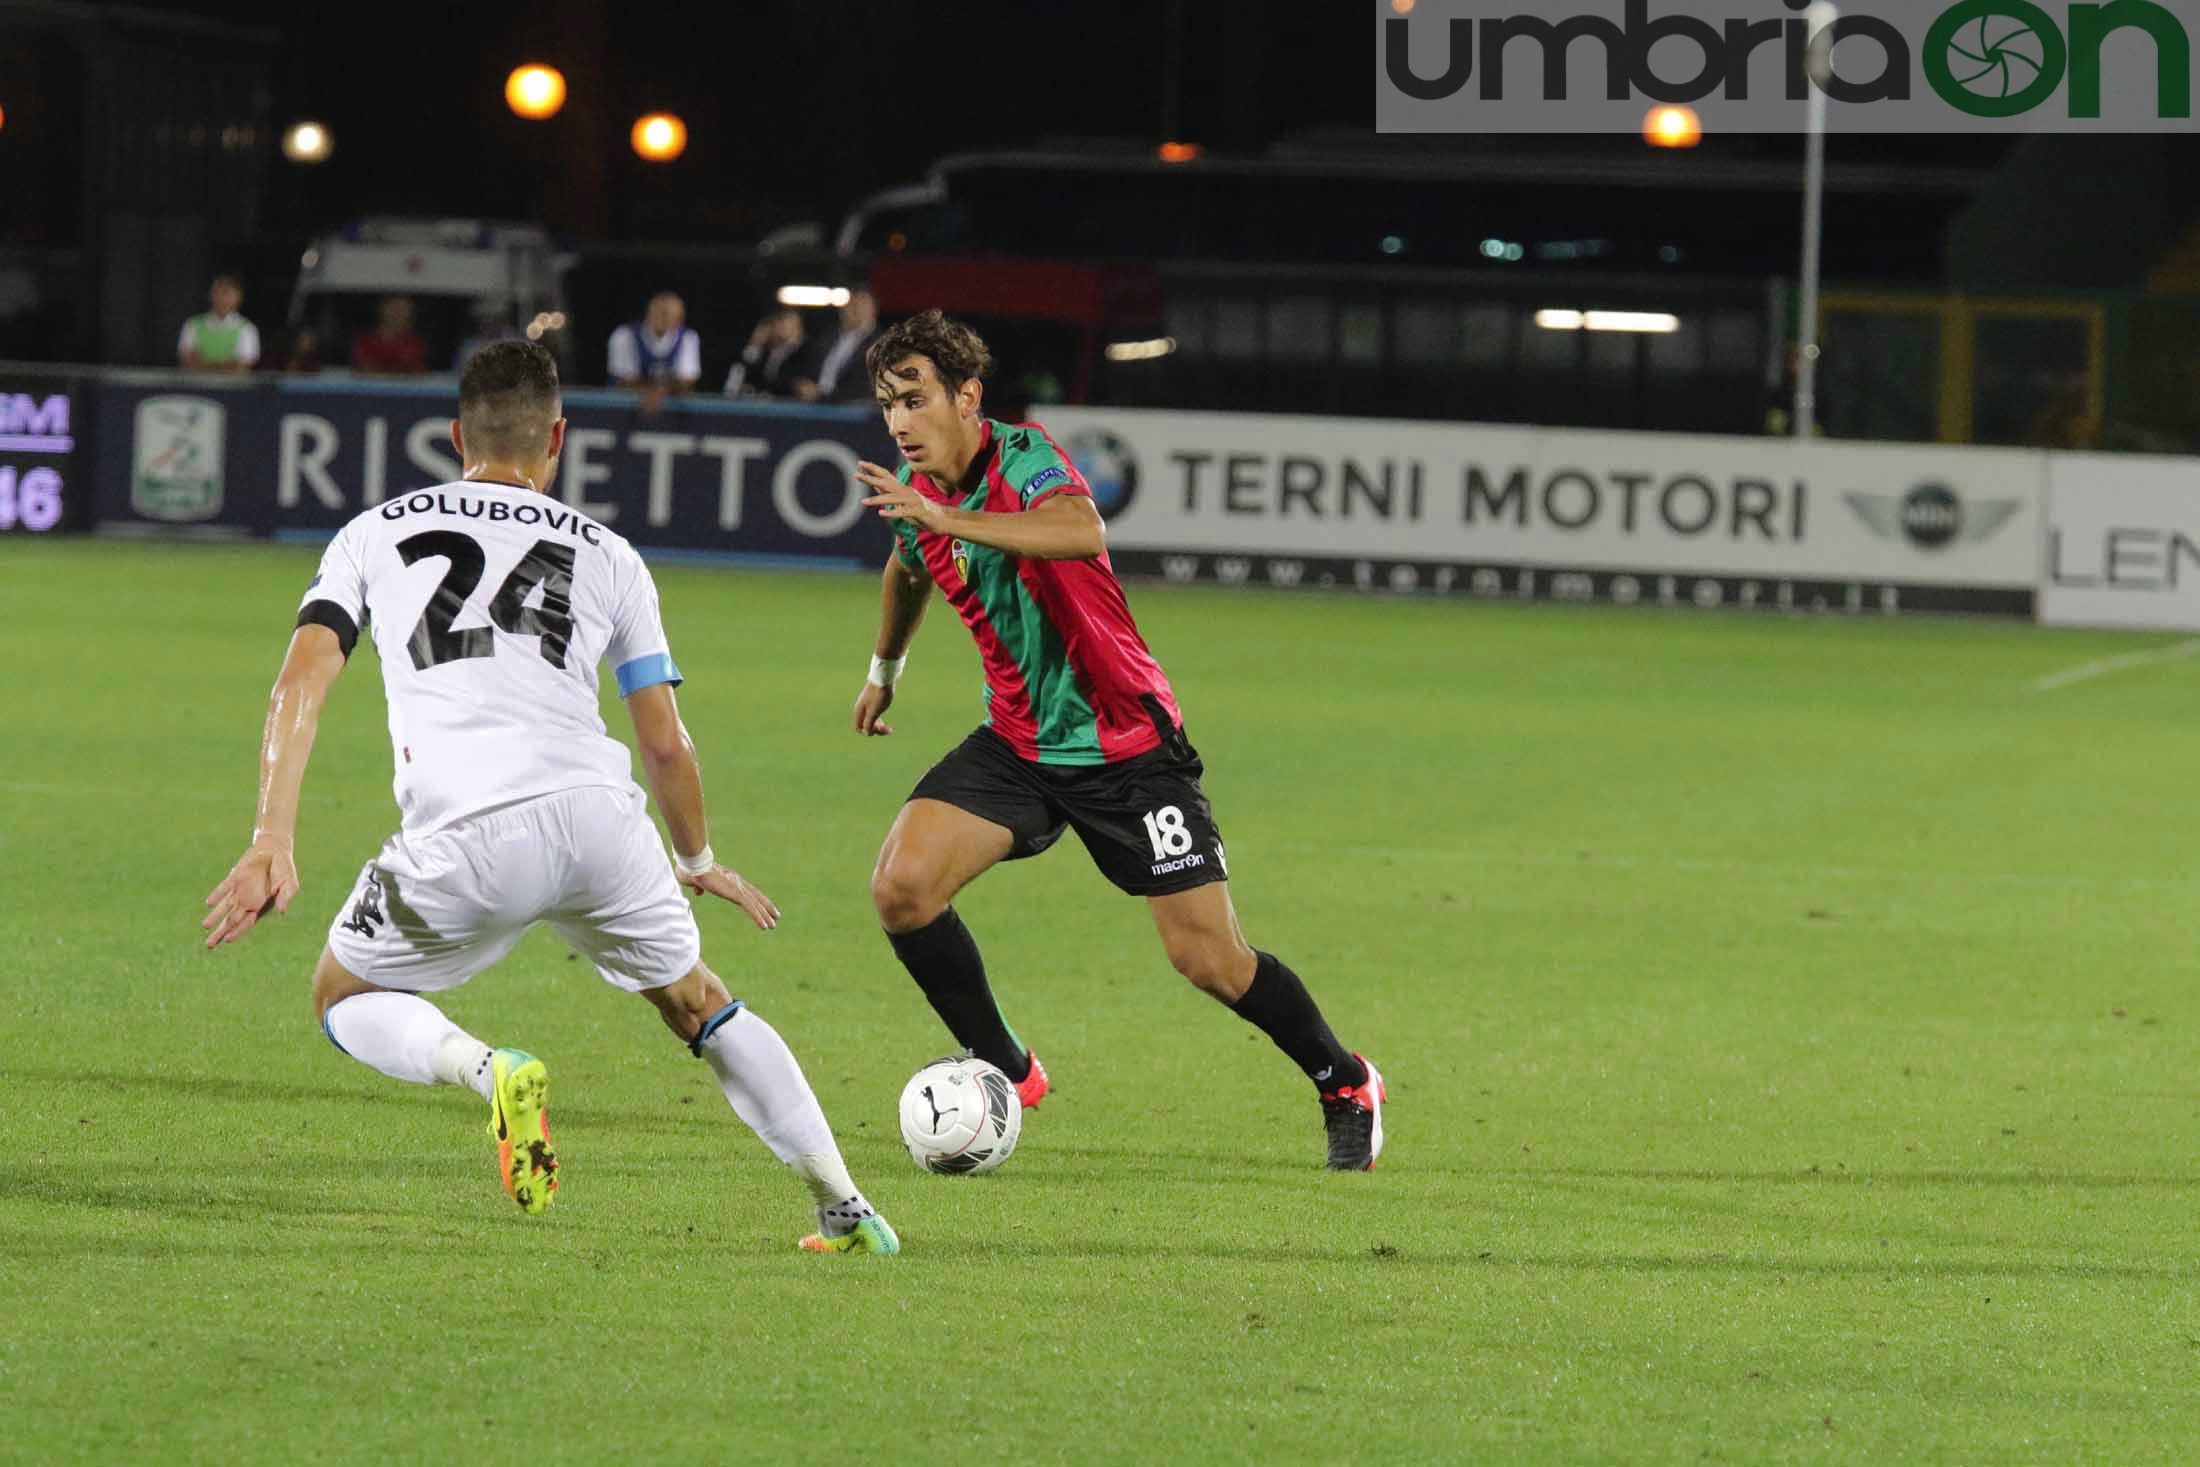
x=1933 y=516
x=176 y=459
x=1109 y=467
x=961 y=551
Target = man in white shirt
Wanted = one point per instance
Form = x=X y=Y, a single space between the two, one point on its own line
x=491 y=605
x=659 y=355
x=220 y=339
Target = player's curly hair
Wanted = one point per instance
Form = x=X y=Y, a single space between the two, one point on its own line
x=508 y=396
x=955 y=351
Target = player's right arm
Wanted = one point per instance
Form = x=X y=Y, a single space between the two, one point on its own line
x=333 y=609
x=904 y=591
x=265 y=877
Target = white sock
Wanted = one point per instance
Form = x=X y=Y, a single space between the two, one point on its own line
x=462 y=1059
x=766 y=1088
x=408 y=1038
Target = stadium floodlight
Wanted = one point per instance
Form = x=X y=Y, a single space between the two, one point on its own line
x=814 y=295
x=1672 y=127
x=1141 y=351
x=660 y=137
x=1819 y=22
x=307 y=142
x=1649 y=323
x=535 y=91
x=1642 y=323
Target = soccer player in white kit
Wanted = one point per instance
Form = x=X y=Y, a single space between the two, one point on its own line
x=490 y=606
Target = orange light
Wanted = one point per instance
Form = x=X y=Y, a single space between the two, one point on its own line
x=1401 y=7
x=307 y=142
x=660 y=137
x=1672 y=127
x=3 y=117
x=1180 y=152
x=535 y=91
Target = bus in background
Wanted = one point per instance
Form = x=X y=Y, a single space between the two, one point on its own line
x=1579 y=286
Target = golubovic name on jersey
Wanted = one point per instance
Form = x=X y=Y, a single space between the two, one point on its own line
x=495 y=511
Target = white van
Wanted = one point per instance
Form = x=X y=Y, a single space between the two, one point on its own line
x=468 y=279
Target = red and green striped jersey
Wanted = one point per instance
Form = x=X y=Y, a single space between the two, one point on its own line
x=1068 y=678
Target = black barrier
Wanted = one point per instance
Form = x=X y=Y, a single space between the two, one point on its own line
x=302 y=456
x=43 y=422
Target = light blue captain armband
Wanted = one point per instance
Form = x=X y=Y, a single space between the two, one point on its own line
x=647 y=672
x=1051 y=477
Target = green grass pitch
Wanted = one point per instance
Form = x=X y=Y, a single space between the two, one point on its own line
x=1790 y=1026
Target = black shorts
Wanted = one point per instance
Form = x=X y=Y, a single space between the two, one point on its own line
x=1145 y=821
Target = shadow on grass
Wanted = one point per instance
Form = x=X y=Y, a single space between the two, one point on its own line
x=297 y=1185
x=117 y=1087
x=1842 y=1177
x=1715 y=1264
x=226 y=1088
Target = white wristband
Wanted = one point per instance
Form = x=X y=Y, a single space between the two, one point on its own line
x=696 y=864
x=886 y=671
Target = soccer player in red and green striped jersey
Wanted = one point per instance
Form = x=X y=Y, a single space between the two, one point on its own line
x=1082 y=731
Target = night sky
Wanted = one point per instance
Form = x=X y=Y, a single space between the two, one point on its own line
x=796 y=108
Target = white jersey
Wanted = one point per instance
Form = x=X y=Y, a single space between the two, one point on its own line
x=490 y=607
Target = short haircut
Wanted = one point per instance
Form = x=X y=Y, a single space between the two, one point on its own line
x=955 y=351
x=233 y=281
x=508 y=398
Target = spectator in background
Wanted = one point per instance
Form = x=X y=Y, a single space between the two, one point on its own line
x=487 y=324
x=392 y=348
x=305 y=351
x=840 y=374
x=659 y=354
x=767 y=364
x=1780 y=405
x=221 y=339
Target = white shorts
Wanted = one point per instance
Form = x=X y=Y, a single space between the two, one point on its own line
x=431 y=911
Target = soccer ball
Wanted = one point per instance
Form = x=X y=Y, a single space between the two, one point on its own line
x=960 y=1115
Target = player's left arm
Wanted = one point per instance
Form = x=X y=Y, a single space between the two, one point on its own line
x=675 y=778
x=1060 y=526
x=265 y=877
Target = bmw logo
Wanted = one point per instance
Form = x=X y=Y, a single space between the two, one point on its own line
x=1109 y=467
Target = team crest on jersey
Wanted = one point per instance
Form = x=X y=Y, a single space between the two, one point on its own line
x=962 y=558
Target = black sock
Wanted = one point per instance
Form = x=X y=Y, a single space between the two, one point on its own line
x=1277 y=1004
x=945 y=961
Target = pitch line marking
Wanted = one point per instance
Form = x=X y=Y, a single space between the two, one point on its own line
x=2087 y=671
